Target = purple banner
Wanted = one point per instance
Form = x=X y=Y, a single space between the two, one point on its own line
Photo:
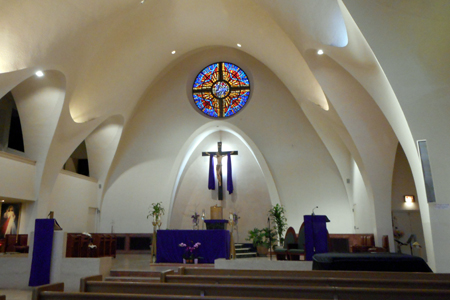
x=229 y=176
x=42 y=252
x=211 y=179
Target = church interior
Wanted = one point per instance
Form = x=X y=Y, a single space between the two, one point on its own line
x=345 y=114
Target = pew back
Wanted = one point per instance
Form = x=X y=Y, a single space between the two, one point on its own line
x=310 y=281
x=56 y=292
x=316 y=273
x=269 y=291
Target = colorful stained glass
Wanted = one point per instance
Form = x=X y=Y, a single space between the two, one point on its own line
x=221 y=90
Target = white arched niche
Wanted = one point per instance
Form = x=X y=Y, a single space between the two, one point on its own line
x=254 y=189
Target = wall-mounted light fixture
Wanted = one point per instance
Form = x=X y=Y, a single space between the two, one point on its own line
x=408 y=199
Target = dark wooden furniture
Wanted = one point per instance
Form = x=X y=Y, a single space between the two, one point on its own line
x=15 y=243
x=356 y=242
x=262 y=291
x=296 y=253
x=170 y=276
x=317 y=273
x=133 y=243
x=100 y=245
x=290 y=239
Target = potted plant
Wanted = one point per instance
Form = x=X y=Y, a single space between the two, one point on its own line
x=190 y=255
x=276 y=213
x=262 y=239
x=156 y=210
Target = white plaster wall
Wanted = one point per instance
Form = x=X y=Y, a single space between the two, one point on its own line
x=415 y=60
x=403 y=183
x=250 y=190
x=16 y=178
x=363 y=207
x=303 y=170
x=70 y=200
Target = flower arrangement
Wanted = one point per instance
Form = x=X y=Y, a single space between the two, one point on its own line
x=235 y=218
x=195 y=218
x=190 y=252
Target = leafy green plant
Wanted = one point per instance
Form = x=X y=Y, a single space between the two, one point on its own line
x=156 y=209
x=276 y=213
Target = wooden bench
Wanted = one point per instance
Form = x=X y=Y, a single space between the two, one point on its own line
x=316 y=273
x=56 y=292
x=2 y=297
x=170 y=277
x=268 y=291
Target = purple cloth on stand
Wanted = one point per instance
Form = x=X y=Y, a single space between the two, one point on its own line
x=229 y=175
x=215 y=221
x=211 y=179
x=42 y=252
x=214 y=244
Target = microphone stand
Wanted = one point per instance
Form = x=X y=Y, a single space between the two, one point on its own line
x=270 y=239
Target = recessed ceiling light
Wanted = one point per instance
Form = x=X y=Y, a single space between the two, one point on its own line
x=239 y=45
x=142 y=1
x=173 y=52
x=320 y=52
x=39 y=73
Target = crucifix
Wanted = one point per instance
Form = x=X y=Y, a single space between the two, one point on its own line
x=219 y=155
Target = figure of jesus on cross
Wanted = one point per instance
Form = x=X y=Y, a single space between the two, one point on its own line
x=219 y=155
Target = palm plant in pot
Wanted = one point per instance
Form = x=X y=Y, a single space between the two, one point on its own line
x=276 y=213
x=262 y=239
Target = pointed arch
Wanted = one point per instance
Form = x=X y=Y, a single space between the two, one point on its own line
x=194 y=140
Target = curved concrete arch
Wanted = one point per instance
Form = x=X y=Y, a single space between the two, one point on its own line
x=192 y=142
x=101 y=145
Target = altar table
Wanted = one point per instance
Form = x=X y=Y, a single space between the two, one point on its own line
x=214 y=244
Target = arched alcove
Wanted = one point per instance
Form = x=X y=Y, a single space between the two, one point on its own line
x=78 y=161
x=250 y=198
x=11 y=137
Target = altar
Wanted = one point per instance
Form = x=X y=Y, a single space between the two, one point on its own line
x=214 y=244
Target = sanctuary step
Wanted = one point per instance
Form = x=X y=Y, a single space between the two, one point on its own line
x=244 y=251
x=151 y=272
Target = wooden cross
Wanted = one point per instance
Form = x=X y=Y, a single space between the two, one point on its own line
x=219 y=154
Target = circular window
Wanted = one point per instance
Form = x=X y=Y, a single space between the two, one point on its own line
x=220 y=90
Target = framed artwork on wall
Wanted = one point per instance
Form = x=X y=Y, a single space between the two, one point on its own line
x=9 y=218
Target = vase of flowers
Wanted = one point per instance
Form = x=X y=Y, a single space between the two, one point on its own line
x=195 y=219
x=190 y=254
x=156 y=211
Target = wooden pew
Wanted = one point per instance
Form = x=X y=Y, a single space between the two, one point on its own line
x=316 y=273
x=310 y=281
x=2 y=297
x=269 y=291
x=56 y=292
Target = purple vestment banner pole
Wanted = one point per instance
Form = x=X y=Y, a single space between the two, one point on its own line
x=229 y=176
x=42 y=252
x=211 y=179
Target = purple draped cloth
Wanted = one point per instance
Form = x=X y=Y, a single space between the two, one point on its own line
x=211 y=179
x=214 y=244
x=42 y=252
x=229 y=178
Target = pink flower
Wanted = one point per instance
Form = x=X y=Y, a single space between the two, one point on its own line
x=182 y=245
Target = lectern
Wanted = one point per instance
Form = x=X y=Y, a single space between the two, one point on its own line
x=316 y=235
